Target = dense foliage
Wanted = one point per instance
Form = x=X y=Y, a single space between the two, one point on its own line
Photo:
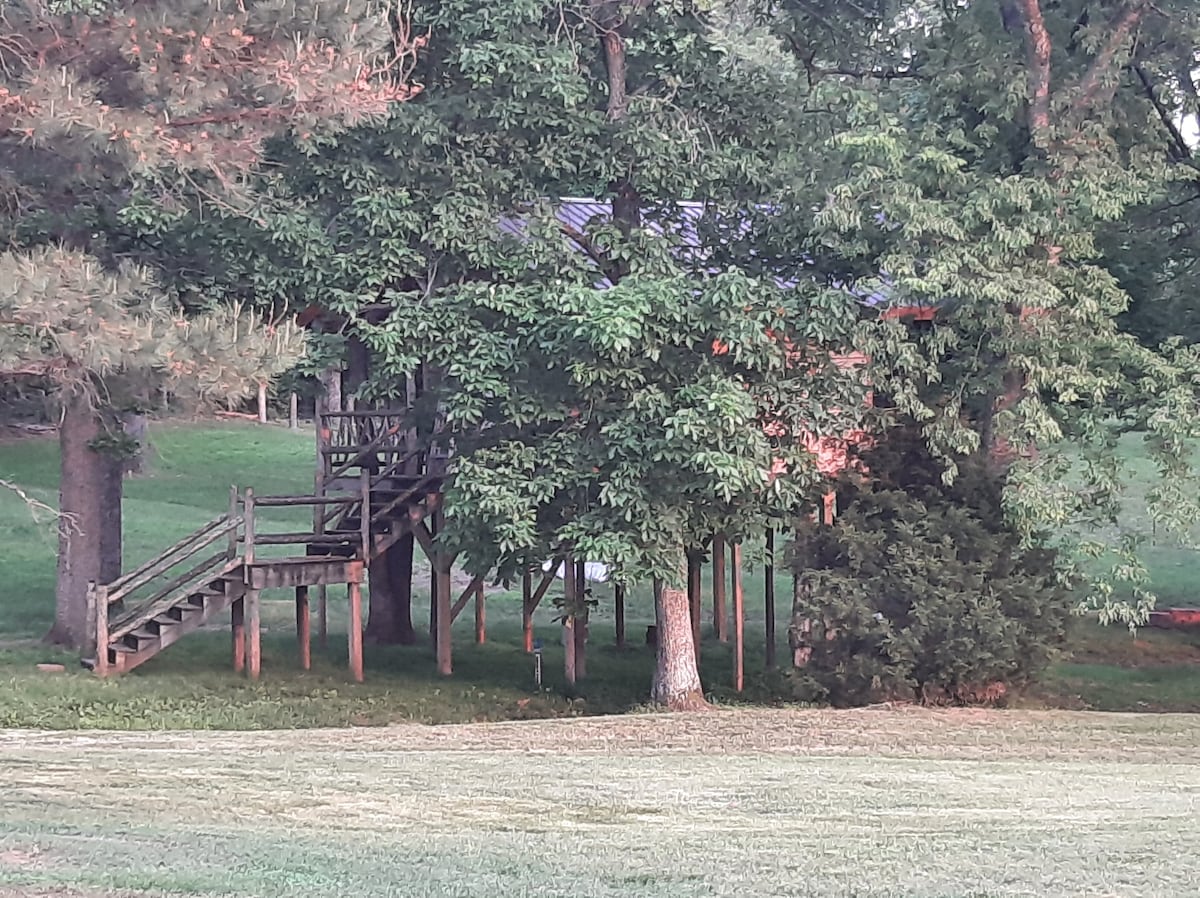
x=922 y=590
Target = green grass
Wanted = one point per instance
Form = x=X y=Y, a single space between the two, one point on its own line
x=192 y=686
x=872 y=804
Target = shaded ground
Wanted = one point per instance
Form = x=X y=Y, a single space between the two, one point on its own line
x=871 y=803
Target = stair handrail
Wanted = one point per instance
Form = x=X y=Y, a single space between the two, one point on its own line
x=167 y=559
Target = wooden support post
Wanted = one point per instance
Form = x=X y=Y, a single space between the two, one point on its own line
x=248 y=528
x=527 y=611
x=364 y=525
x=231 y=548
x=253 y=634
x=569 y=644
x=739 y=621
x=619 y=602
x=322 y=617
x=694 y=573
x=293 y=412
x=98 y=606
x=480 y=614
x=769 y=597
x=581 y=620
x=354 y=592
x=237 y=626
x=435 y=526
x=445 y=620
x=262 y=403
x=303 y=624
x=719 y=580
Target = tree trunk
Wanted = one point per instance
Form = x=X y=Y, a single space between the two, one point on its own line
x=676 y=684
x=390 y=618
x=89 y=541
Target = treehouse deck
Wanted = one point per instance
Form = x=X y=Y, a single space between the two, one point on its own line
x=373 y=485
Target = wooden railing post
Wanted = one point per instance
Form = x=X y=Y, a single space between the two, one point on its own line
x=232 y=549
x=98 y=602
x=364 y=479
x=248 y=525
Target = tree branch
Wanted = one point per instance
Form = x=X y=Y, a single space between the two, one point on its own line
x=1180 y=148
x=1093 y=81
x=1037 y=50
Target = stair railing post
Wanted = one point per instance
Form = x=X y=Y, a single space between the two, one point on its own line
x=364 y=478
x=232 y=549
x=98 y=605
x=248 y=523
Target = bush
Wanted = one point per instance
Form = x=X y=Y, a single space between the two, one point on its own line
x=920 y=589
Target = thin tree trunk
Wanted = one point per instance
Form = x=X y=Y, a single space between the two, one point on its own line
x=676 y=684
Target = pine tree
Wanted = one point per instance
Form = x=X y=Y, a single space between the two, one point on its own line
x=173 y=101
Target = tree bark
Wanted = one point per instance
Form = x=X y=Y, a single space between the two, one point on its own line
x=676 y=684
x=89 y=541
x=390 y=615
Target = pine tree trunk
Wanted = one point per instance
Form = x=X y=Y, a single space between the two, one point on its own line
x=676 y=684
x=390 y=617
x=89 y=533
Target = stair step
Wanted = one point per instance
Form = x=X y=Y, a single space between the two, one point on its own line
x=145 y=633
x=124 y=648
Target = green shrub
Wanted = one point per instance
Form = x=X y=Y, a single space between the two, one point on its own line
x=921 y=590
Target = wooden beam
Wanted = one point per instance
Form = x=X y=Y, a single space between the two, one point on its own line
x=253 y=633
x=354 y=592
x=303 y=625
x=739 y=621
x=480 y=614
x=293 y=412
x=769 y=598
x=719 y=580
x=98 y=606
x=237 y=626
x=466 y=596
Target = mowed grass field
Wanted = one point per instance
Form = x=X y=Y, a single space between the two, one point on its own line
x=874 y=804
x=191 y=686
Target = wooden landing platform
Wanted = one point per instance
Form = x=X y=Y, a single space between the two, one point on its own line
x=306 y=570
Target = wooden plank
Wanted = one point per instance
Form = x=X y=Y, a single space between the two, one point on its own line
x=231 y=546
x=769 y=598
x=581 y=620
x=619 y=602
x=253 y=633
x=311 y=570
x=237 y=626
x=466 y=596
x=719 y=580
x=355 y=635
x=739 y=621
x=165 y=560
x=303 y=624
x=480 y=614
x=306 y=538
x=527 y=612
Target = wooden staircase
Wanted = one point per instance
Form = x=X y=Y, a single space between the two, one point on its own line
x=372 y=488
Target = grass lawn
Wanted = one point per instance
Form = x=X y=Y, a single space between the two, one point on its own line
x=870 y=804
x=191 y=686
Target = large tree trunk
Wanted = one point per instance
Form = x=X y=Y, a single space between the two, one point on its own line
x=390 y=620
x=676 y=684
x=89 y=542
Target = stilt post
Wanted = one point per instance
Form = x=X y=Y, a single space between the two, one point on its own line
x=253 y=634
x=568 y=621
x=739 y=621
x=355 y=636
x=719 y=581
x=619 y=603
x=237 y=626
x=303 y=625
x=769 y=598
x=480 y=614
x=527 y=611
x=694 y=573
